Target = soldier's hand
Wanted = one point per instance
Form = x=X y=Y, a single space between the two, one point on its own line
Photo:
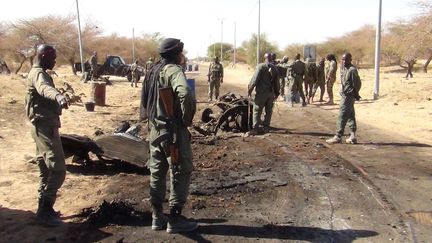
x=62 y=101
x=221 y=80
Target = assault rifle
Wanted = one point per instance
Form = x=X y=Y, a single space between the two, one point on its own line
x=166 y=95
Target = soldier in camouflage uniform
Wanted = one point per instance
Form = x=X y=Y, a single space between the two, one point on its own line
x=310 y=77
x=134 y=73
x=331 y=77
x=297 y=72
x=44 y=105
x=350 y=86
x=283 y=68
x=320 y=83
x=215 y=78
x=265 y=81
x=93 y=65
x=168 y=73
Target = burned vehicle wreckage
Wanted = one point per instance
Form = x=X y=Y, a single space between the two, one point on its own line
x=231 y=113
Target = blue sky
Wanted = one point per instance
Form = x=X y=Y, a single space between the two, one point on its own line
x=198 y=22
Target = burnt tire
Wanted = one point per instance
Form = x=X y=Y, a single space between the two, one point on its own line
x=206 y=115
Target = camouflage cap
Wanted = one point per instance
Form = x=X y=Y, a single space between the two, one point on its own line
x=170 y=45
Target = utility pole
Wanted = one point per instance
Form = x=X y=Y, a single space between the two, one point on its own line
x=80 y=40
x=214 y=47
x=221 y=54
x=259 y=32
x=133 y=45
x=235 y=33
x=377 y=52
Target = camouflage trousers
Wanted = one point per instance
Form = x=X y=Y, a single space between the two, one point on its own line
x=263 y=101
x=160 y=163
x=214 y=85
x=330 y=84
x=282 y=82
x=135 y=78
x=51 y=162
x=346 y=115
x=321 y=86
x=308 y=87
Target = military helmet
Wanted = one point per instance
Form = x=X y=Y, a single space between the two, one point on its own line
x=170 y=46
x=284 y=59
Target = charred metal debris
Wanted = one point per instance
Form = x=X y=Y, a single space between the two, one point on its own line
x=115 y=212
x=231 y=113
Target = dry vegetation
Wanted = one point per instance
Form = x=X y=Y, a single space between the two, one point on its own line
x=405 y=42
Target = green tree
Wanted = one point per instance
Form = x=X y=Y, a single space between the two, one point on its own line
x=214 y=50
x=250 y=48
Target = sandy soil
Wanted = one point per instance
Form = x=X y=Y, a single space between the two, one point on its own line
x=305 y=191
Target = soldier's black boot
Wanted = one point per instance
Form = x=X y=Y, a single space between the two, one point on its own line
x=46 y=214
x=178 y=223
x=159 y=220
x=304 y=103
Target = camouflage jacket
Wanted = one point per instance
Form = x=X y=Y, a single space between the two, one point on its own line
x=321 y=73
x=298 y=69
x=172 y=76
x=265 y=79
x=331 y=71
x=93 y=61
x=311 y=71
x=134 y=69
x=41 y=105
x=350 y=82
x=216 y=71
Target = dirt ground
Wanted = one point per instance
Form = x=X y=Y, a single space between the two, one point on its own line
x=287 y=185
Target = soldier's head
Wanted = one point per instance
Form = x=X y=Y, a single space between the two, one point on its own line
x=136 y=61
x=331 y=57
x=273 y=56
x=216 y=59
x=322 y=61
x=95 y=53
x=171 y=49
x=46 y=56
x=285 y=59
x=297 y=57
x=151 y=59
x=346 y=59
